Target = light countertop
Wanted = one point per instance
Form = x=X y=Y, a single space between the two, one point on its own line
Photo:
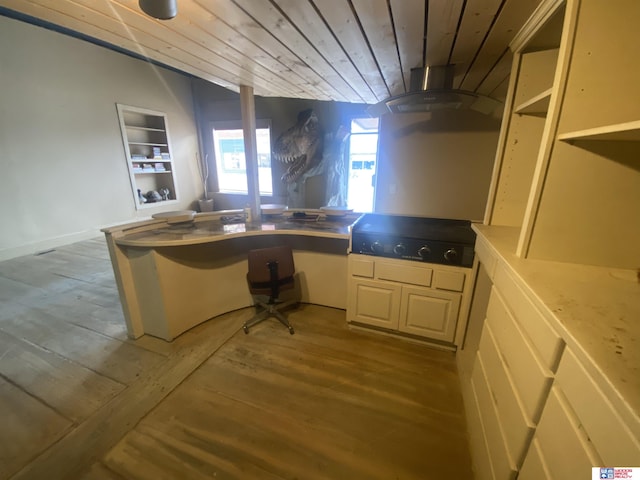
x=595 y=309
x=209 y=228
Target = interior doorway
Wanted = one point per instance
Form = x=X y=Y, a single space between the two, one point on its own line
x=363 y=152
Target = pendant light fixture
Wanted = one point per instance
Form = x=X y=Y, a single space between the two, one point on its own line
x=160 y=9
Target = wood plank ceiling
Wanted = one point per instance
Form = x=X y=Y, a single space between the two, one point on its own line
x=343 y=50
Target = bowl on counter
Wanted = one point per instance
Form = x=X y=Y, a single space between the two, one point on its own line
x=336 y=211
x=272 y=209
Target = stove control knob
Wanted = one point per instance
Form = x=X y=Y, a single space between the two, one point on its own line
x=377 y=247
x=399 y=249
x=424 y=252
x=451 y=255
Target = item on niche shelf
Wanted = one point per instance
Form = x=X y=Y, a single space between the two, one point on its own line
x=165 y=193
x=141 y=197
x=153 y=196
x=165 y=156
x=156 y=152
x=147 y=167
x=136 y=168
x=138 y=157
x=159 y=167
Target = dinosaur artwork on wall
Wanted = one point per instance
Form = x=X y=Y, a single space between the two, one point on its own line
x=305 y=151
x=300 y=147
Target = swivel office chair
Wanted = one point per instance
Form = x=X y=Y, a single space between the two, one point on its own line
x=271 y=270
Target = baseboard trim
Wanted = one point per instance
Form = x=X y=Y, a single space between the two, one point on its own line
x=48 y=244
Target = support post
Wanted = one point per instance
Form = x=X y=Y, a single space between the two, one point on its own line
x=248 y=109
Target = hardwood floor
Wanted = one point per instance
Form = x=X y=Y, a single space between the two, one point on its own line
x=81 y=400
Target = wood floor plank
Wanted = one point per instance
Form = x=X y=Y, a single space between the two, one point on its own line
x=19 y=440
x=85 y=445
x=27 y=271
x=15 y=291
x=105 y=320
x=305 y=406
x=368 y=382
x=99 y=471
x=117 y=360
x=179 y=456
x=72 y=390
x=93 y=248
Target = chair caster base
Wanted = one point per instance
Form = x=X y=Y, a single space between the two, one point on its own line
x=246 y=329
x=291 y=331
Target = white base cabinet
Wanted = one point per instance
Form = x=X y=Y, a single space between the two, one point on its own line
x=419 y=299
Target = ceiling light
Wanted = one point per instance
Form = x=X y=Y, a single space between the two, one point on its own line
x=160 y=9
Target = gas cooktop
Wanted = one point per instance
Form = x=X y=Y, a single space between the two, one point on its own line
x=434 y=240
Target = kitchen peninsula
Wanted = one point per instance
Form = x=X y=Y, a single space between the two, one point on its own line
x=173 y=276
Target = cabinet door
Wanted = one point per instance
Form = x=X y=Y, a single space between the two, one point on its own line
x=374 y=303
x=429 y=313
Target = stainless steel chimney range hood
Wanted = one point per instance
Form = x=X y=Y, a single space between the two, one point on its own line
x=431 y=90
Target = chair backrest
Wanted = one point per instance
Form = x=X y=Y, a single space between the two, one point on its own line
x=259 y=272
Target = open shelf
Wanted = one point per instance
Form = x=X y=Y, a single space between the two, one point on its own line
x=148 y=144
x=156 y=204
x=144 y=129
x=535 y=106
x=622 y=132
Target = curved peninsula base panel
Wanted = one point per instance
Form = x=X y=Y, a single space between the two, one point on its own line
x=166 y=290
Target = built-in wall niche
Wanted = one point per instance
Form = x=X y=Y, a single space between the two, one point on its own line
x=145 y=136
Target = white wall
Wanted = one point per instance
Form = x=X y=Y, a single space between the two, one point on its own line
x=63 y=172
x=436 y=164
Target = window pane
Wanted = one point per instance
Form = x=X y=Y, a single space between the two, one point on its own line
x=231 y=162
x=363 y=148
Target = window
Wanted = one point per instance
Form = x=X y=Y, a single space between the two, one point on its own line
x=363 y=150
x=231 y=165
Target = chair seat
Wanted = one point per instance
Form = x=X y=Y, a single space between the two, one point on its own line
x=271 y=270
x=264 y=288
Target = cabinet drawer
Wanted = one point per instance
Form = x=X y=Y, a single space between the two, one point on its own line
x=361 y=267
x=543 y=337
x=518 y=431
x=531 y=379
x=564 y=447
x=445 y=280
x=477 y=441
x=612 y=439
x=534 y=467
x=404 y=273
x=486 y=256
x=503 y=466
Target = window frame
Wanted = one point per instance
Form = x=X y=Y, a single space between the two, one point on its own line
x=237 y=125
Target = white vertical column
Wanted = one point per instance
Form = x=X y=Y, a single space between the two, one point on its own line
x=248 y=109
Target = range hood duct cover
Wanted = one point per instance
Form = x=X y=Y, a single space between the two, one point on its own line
x=431 y=89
